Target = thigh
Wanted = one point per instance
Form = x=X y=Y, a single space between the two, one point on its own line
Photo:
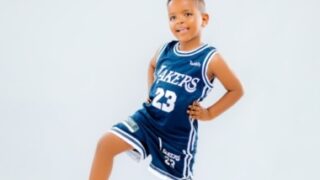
x=113 y=144
x=134 y=135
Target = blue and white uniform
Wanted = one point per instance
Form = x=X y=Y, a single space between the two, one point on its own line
x=163 y=128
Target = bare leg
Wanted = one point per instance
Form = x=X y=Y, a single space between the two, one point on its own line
x=108 y=147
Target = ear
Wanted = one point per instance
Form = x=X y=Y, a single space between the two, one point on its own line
x=205 y=19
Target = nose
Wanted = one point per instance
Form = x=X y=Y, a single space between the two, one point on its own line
x=180 y=20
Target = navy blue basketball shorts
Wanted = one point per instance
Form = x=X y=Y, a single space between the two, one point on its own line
x=170 y=159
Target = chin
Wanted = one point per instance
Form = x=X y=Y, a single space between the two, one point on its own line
x=183 y=39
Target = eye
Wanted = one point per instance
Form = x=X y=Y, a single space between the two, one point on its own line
x=172 y=18
x=188 y=14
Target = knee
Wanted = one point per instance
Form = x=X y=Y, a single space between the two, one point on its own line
x=105 y=145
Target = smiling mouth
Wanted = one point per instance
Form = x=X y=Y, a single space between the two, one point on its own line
x=182 y=30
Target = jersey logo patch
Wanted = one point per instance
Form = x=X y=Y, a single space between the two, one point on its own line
x=131 y=125
x=196 y=64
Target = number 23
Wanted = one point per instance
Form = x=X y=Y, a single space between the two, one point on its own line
x=171 y=99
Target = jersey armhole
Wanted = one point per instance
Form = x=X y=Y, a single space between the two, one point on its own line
x=160 y=51
x=207 y=61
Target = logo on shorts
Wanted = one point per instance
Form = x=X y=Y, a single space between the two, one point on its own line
x=169 y=158
x=131 y=125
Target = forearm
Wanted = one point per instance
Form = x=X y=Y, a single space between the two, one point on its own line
x=219 y=69
x=224 y=103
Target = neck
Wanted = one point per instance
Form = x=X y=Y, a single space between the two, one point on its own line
x=190 y=45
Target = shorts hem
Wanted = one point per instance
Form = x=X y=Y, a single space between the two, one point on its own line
x=135 y=143
x=162 y=174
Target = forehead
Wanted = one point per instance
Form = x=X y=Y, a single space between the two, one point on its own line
x=181 y=5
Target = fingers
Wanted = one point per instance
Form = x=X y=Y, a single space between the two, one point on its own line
x=194 y=110
x=148 y=100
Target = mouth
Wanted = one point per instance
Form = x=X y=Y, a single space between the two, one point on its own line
x=182 y=30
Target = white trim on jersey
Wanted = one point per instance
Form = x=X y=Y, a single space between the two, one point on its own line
x=158 y=57
x=187 y=161
x=130 y=140
x=206 y=62
x=160 y=143
x=161 y=51
x=194 y=137
x=188 y=53
x=205 y=91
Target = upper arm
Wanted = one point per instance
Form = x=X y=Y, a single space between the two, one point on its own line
x=152 y=67
x=219 y=68
x=153 y=61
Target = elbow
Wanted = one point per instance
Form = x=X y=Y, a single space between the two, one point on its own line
x=237 y=92
x=240 y=91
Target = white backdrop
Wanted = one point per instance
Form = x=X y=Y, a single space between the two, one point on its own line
x=71 y=69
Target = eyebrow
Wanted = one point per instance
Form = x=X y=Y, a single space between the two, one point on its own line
x=186 y=10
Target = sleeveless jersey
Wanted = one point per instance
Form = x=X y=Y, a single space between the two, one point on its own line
x=163 y=128
x=180 y=78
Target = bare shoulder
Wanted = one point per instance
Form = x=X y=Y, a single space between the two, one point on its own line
x=154 y=58
x=153 y=61
x=218 y=67
x=156 y=55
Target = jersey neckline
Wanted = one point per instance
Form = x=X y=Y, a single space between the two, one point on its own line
x=188 y=53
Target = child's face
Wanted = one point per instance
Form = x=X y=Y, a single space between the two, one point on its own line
x=186 y=20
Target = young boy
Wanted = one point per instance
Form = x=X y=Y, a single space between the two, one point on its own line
x=179 y=77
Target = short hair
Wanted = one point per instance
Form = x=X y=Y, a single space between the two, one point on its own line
x=200 y=3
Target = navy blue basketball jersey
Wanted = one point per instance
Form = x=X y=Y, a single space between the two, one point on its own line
x=180 y=79
x=163 y=128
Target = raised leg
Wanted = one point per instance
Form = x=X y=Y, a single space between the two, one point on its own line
x=108 y=147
